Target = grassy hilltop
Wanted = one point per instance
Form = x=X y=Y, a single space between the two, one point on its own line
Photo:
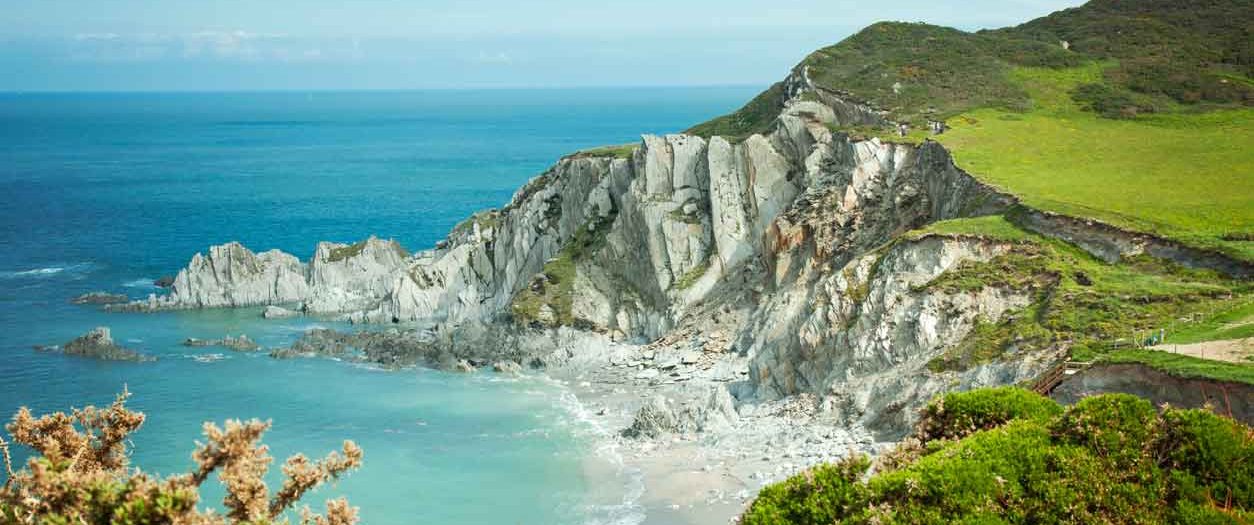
x=1139 y=113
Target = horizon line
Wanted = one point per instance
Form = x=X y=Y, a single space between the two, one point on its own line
x=521 y=87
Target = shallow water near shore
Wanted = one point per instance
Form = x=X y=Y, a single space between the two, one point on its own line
x=109 y=191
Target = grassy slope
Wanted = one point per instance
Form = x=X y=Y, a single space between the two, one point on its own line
x=1183 y=176
x=1185 y=366
x=1230 y=323
x=1096 y=309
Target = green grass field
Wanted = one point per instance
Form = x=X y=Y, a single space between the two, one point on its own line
x=1184 y=366
x=1184 y=176
x=1236 y=322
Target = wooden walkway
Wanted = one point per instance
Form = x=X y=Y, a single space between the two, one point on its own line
x=1056 y=375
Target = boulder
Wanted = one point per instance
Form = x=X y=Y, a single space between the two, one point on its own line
x=507 y=367
x=653 y=420
x=165 y=281
x=278 y=312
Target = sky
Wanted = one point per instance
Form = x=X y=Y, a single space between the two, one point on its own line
x=180 y=45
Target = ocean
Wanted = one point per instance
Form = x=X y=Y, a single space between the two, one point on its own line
x=110 y=191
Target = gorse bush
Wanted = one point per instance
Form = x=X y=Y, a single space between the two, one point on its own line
x=959 y=414
x=81 y=474
x=820 y=495
x=1012 y=458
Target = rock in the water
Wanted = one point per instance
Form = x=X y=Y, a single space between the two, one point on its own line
x=507 y=367
x=100 y=298
x=165 y=281
x=239 y=344
x=464 y=367
x=232 y=275
x=278 y=312
x=98 y=344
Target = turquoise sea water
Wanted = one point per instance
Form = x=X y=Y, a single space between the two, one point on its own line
x=109 y=191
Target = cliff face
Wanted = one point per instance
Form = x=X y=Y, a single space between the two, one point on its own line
x=793 y=237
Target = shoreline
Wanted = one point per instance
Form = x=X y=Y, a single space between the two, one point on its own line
x=703 y=477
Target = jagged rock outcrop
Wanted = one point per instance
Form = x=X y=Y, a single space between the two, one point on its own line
x=351 y=277
x=232 y=275
x=339 y=278
x=865 y=335
x=98 y=343
x=659 y=415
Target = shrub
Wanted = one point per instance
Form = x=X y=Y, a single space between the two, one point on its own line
x=80 y=474
x=817 y=496
x=1117 y=427
x=1111 y=101
x=1107 y=459
x=1210 y=457
x=958 y=414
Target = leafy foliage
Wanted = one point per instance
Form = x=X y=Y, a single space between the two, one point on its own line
x=1107 y=459
x=959 y=414
x=80 y=474
x=1184 y=52
x=819 y=495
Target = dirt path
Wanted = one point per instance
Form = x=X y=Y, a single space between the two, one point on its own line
x=1232 y=351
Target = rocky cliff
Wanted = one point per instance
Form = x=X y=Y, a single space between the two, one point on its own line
x=791 y=240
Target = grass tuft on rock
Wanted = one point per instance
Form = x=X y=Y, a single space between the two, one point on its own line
x=548 y=300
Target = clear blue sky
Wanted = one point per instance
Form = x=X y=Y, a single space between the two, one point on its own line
x=392 y=44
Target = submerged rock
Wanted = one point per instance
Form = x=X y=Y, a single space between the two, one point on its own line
x=100 y=298
x=165 y=281
x=98 y=344
x=239 y=344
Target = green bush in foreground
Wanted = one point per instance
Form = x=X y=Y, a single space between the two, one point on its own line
x=1108 y=459
x=960 y=414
